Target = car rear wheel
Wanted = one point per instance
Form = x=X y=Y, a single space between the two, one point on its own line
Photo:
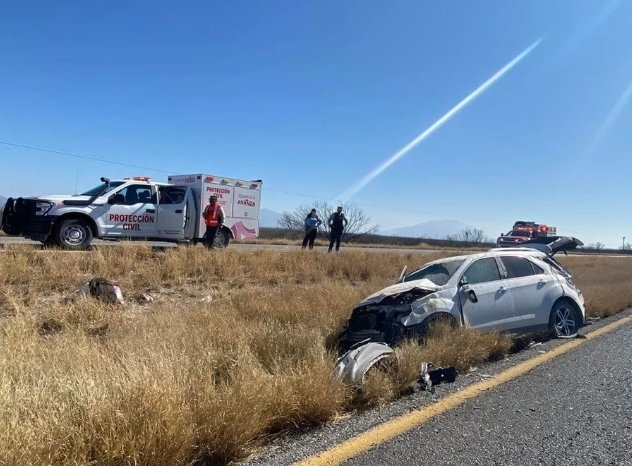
x=564 y=321
x=73 y=234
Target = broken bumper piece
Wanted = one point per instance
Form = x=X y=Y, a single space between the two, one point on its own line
x=352 y=366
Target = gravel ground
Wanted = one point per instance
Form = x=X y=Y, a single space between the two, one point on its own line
x=548 y=416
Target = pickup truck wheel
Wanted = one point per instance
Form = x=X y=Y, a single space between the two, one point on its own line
x=73 y=234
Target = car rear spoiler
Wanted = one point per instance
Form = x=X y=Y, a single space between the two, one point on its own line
x=551 y=245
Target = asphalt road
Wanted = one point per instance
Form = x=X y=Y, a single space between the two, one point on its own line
x=573 y=409
x=576 y=409
x=7 y=240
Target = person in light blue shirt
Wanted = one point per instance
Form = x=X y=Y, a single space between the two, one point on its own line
x=312 y=222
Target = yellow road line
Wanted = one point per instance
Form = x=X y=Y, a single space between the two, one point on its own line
x=395 y=427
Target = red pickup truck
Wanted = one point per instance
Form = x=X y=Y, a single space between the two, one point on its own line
x=523 y=231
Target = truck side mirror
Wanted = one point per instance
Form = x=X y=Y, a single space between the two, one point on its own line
x=462 y=282
x=112 y=200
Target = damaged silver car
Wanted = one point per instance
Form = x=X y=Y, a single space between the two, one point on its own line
x=517 y=290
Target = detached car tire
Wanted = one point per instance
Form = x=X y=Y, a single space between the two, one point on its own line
x=73 y=234
x=564 y=321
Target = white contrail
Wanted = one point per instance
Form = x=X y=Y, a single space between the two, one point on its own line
x=353 y=190
x=613 y=115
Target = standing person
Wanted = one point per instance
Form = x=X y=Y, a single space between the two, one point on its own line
x=214 y=218
x=312 y=222
x=337 y=223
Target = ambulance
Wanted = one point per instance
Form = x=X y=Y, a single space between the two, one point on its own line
x=137 y=209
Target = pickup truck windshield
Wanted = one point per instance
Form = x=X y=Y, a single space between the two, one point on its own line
x=519 y=233
x=101 y=189
x=438 y=273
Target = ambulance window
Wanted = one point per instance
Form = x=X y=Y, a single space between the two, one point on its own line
x=134 y=194
x=172 y=194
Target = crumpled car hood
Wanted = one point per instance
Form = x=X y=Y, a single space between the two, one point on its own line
x=422 y=285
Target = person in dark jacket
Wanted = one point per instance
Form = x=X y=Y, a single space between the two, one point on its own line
x=337 y=223
x=312 y=222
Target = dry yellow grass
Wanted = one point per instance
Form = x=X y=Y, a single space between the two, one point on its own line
x=605 y=281
x=233 y=350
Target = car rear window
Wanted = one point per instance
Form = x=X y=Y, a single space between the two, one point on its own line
x=517 y=266
x=557 y=266
x=537 y=269
x=481 y=271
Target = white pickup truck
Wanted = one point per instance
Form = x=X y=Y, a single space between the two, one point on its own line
x=137 y=208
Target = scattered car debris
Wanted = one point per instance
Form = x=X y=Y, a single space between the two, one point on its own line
x=486 y=376
x=430 y=375
x=533 y=344
x=145 y=298
x=352 y=366
x=591 y=320
x=102 y=289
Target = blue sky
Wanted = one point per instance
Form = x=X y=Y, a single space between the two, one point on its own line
x=310 y=96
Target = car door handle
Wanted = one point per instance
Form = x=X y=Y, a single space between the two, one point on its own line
x=151 y=211
x=502 y=289
x=179 y=211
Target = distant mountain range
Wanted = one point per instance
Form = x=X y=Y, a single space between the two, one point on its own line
x=433 y=229
x=3 y=201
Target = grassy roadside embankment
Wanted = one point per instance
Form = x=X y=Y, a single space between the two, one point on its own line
x=233 y=350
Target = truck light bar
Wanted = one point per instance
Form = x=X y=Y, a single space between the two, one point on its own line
x=138 y=178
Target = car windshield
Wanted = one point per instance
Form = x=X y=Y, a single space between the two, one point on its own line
x=101 y=189
x=519 y=233
x=438 y=273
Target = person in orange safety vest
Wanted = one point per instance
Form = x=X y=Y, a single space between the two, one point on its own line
x=214 y=218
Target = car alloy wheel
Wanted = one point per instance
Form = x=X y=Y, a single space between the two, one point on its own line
x=565 y=323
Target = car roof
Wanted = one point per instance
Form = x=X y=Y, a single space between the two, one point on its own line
x=518 y=251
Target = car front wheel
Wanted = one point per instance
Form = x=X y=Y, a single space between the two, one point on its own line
x=564 y=321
